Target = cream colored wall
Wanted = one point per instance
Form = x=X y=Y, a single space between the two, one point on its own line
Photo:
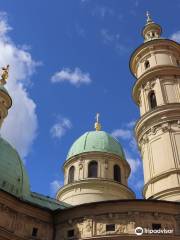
x=17 y=220
x=166 y=89
x=156 y=57
x=89 y=221
x=93 y=190
x=161 y=159
x=158 y=130
x=85 y=190
x=105 y=167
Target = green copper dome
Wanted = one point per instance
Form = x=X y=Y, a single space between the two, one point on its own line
x=96 y=141
x=13 y=177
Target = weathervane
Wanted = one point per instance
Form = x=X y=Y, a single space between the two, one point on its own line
x=97 y=125
x=4 y=75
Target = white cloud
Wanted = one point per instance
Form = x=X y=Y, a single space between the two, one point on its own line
x=102 y=11
x=135 y=164
x=121 y=133
x=54 y=186
x=131 y=124
x=176 y=36
x=126 y=133
x=75 y=77
x=114 y=40
x=20 y=126
x=60 y=128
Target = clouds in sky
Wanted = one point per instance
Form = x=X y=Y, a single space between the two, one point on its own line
x=102 y=11
x=113 y=39
x=176 y=36
x=54 y=186
x=20 y=126
x=122 y=133
x=126 y=136
x=60 y=128
x=75 y=77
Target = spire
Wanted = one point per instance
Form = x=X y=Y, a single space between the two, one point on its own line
x=151 y=29
x=149 y=19
x=4 y=75
x=97 y=125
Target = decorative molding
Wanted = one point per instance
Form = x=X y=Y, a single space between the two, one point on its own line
x=149 y=85
x=165 y=127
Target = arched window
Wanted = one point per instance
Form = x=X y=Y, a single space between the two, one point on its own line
x=146 y=64
x=92 y=169
x=117 y=173
x=152 y=100
x=71 y=174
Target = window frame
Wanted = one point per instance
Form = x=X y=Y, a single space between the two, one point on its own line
x=117 y=173
x=146 y=64
x=109 y=226
x=92 y=175
x=71 y=174
x=152 y=102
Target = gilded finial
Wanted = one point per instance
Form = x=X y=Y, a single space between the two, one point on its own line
x=149 y=19
x=97 y=125
x=4 y=75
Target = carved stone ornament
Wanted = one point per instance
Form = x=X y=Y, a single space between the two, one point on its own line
x=165 y=127
x=153 y=130
x=178 y=123
x=80 y=166
x=101 y=229
x=145 y=139
x=88 y=225
x=149 y=86
x=121 y=228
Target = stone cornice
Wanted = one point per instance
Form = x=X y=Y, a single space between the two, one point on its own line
x=93 y=156
x=142 y=49
x=159 y=177
x=152 y=73
x=160 y=115
x=89 y=182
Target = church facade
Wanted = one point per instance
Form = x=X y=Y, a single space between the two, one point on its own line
x=96 y=201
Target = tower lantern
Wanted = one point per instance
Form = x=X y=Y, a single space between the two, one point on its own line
x=151 y=30
x=156 y=66
x=5 y=99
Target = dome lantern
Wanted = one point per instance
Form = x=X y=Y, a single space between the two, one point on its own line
x=97 y=125
x=151 y=30
x=5 y=99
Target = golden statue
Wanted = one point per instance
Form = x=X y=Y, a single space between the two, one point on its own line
x=97 y=125
x=4 y=75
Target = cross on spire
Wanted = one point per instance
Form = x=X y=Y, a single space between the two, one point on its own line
x=97 y=125
x=149 y=19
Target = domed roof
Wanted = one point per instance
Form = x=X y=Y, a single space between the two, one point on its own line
x=96 y=141
x=13 y=177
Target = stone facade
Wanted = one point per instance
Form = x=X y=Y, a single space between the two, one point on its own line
x=156 y=65
x=84 y=189
x=104 y=207
x=18 y=220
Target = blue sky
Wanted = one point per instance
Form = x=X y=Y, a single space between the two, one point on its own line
x=70 y=59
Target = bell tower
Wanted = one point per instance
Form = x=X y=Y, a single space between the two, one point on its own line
x=156 y=66
x=5 y=99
